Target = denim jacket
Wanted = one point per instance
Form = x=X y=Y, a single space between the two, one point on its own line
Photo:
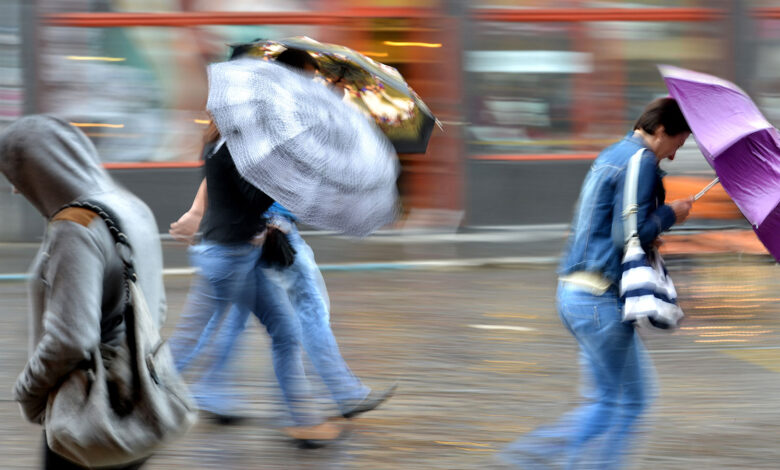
x=596 y=240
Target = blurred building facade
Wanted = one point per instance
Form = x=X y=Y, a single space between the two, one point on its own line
x=528 y=91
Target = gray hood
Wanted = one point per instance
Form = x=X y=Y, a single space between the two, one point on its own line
x=51 y=162
x=77 y=276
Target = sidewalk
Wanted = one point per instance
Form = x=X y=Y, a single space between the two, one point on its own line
x=543 y=241
x=471 y=246
x=481 y=358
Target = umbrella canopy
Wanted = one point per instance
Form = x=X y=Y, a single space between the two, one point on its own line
x=375 y=88
x=297 y=141
x=739 y=143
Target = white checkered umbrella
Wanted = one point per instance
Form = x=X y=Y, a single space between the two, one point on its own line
x=295 y=139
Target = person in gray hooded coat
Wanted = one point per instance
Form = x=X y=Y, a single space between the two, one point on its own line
x=77 y=277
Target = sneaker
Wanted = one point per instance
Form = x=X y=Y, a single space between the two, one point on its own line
x=371 y=401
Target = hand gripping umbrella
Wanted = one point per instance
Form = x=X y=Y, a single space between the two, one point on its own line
x=738 y=142
x=295 y=139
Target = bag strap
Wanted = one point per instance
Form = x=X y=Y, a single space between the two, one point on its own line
x=123 y=247
x=630 y=206
x=83 y=212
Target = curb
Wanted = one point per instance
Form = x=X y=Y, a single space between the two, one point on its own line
x=376 y=266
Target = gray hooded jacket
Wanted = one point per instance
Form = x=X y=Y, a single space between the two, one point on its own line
x=77 y=276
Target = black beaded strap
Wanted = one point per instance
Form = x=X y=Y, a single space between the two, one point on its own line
x=125 y=252
x=122 y=243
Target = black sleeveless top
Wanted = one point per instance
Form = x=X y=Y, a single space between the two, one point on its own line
x=235 y=207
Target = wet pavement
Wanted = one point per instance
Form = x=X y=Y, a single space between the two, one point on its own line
x=481 y=357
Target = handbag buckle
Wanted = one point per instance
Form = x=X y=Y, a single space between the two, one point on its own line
x=632 y=209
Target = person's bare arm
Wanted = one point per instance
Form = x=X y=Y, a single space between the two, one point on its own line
x=186 y=227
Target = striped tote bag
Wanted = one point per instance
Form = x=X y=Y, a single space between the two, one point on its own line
x=646 y=289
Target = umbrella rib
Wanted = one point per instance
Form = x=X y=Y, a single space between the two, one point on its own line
x=733 y=142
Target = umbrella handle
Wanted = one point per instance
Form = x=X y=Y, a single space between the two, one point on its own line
x=706 y=188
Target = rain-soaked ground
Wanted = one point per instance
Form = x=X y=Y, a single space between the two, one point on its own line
x=481 y=357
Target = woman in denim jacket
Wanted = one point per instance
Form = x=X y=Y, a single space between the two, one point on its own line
x=615 y=366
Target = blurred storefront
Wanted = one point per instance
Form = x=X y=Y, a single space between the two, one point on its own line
x=527 y=91
x=11 y=69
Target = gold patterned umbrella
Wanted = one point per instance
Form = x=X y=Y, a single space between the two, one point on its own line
x=378 y=90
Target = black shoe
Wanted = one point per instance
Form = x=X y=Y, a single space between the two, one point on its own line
x=223 y=420
x=370 y=402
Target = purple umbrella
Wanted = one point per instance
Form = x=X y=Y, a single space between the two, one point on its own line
x=739 y=143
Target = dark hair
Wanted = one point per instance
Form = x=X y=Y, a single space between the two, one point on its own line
x=663 y=112
x=296 y=58
x=239 y=49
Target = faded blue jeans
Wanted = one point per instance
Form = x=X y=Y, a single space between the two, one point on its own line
x=305 y=289
x=229 y=275
x=297 y=292
x=618 y=386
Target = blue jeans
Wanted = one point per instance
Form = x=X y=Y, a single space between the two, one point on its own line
x=229 y=274
x=296 y=292
x=617 y=388
x=304 y=287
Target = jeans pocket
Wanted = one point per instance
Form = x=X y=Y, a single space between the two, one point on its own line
x=607 y=312
x=577 y=317
x=589 y=311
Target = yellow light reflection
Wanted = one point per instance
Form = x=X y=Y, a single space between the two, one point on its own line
x=720 y=341
x=510 y=362
x=711 y=287
x=103 y=59
x=97 y=124
x=724 y=327
x=375 y=54
x=735 y=333
x=511 y=315
x=202 y=121
x=711 y=307
x=411 y=44
x=724 y=317
x=110 y=134
x=456 y=443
